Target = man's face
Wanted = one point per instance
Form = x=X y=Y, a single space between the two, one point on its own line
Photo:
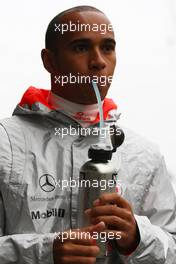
x=85 y=53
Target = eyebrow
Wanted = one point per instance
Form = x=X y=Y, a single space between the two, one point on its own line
x=81 y=40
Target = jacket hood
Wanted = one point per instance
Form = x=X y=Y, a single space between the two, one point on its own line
x=35 y=102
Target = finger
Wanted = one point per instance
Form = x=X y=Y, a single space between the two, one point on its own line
x=115 y=235
x=99 y=227
x=115 y=199
x=80 y=236
x=77 y=260
x=97 y=202
x=112 y=210
x=80 y=250
x=75 y=237
x=87 y=242
x=84 y=235
x=112 y=222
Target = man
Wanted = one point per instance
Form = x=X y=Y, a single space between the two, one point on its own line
x=37 y=156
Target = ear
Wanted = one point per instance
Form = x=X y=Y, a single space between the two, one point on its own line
x=48 y=61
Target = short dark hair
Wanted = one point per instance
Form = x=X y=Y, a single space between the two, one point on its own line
x=51 y=37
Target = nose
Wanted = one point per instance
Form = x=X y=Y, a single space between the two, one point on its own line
x=96 y=60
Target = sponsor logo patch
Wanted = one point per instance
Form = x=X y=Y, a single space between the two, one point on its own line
x=47 y=183
x=48 y=213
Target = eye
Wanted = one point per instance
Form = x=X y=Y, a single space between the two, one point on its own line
x=108 y=48
x=80 y=48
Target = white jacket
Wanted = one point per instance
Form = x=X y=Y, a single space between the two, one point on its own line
x=31 y=211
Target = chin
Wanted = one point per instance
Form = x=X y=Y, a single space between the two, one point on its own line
x=86 y=95
x=93 y=100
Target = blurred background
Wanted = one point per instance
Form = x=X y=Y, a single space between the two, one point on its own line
x=145 y=77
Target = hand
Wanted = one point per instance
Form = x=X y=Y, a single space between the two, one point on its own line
x=80 y=250
x=117 y=215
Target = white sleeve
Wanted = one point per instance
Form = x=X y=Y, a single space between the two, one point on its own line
x=26 y=249
x=157 y=223
x=20 y=248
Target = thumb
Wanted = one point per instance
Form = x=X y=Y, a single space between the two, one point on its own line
x=94 y=228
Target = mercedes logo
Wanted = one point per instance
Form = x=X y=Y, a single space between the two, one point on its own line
x=47 y=183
